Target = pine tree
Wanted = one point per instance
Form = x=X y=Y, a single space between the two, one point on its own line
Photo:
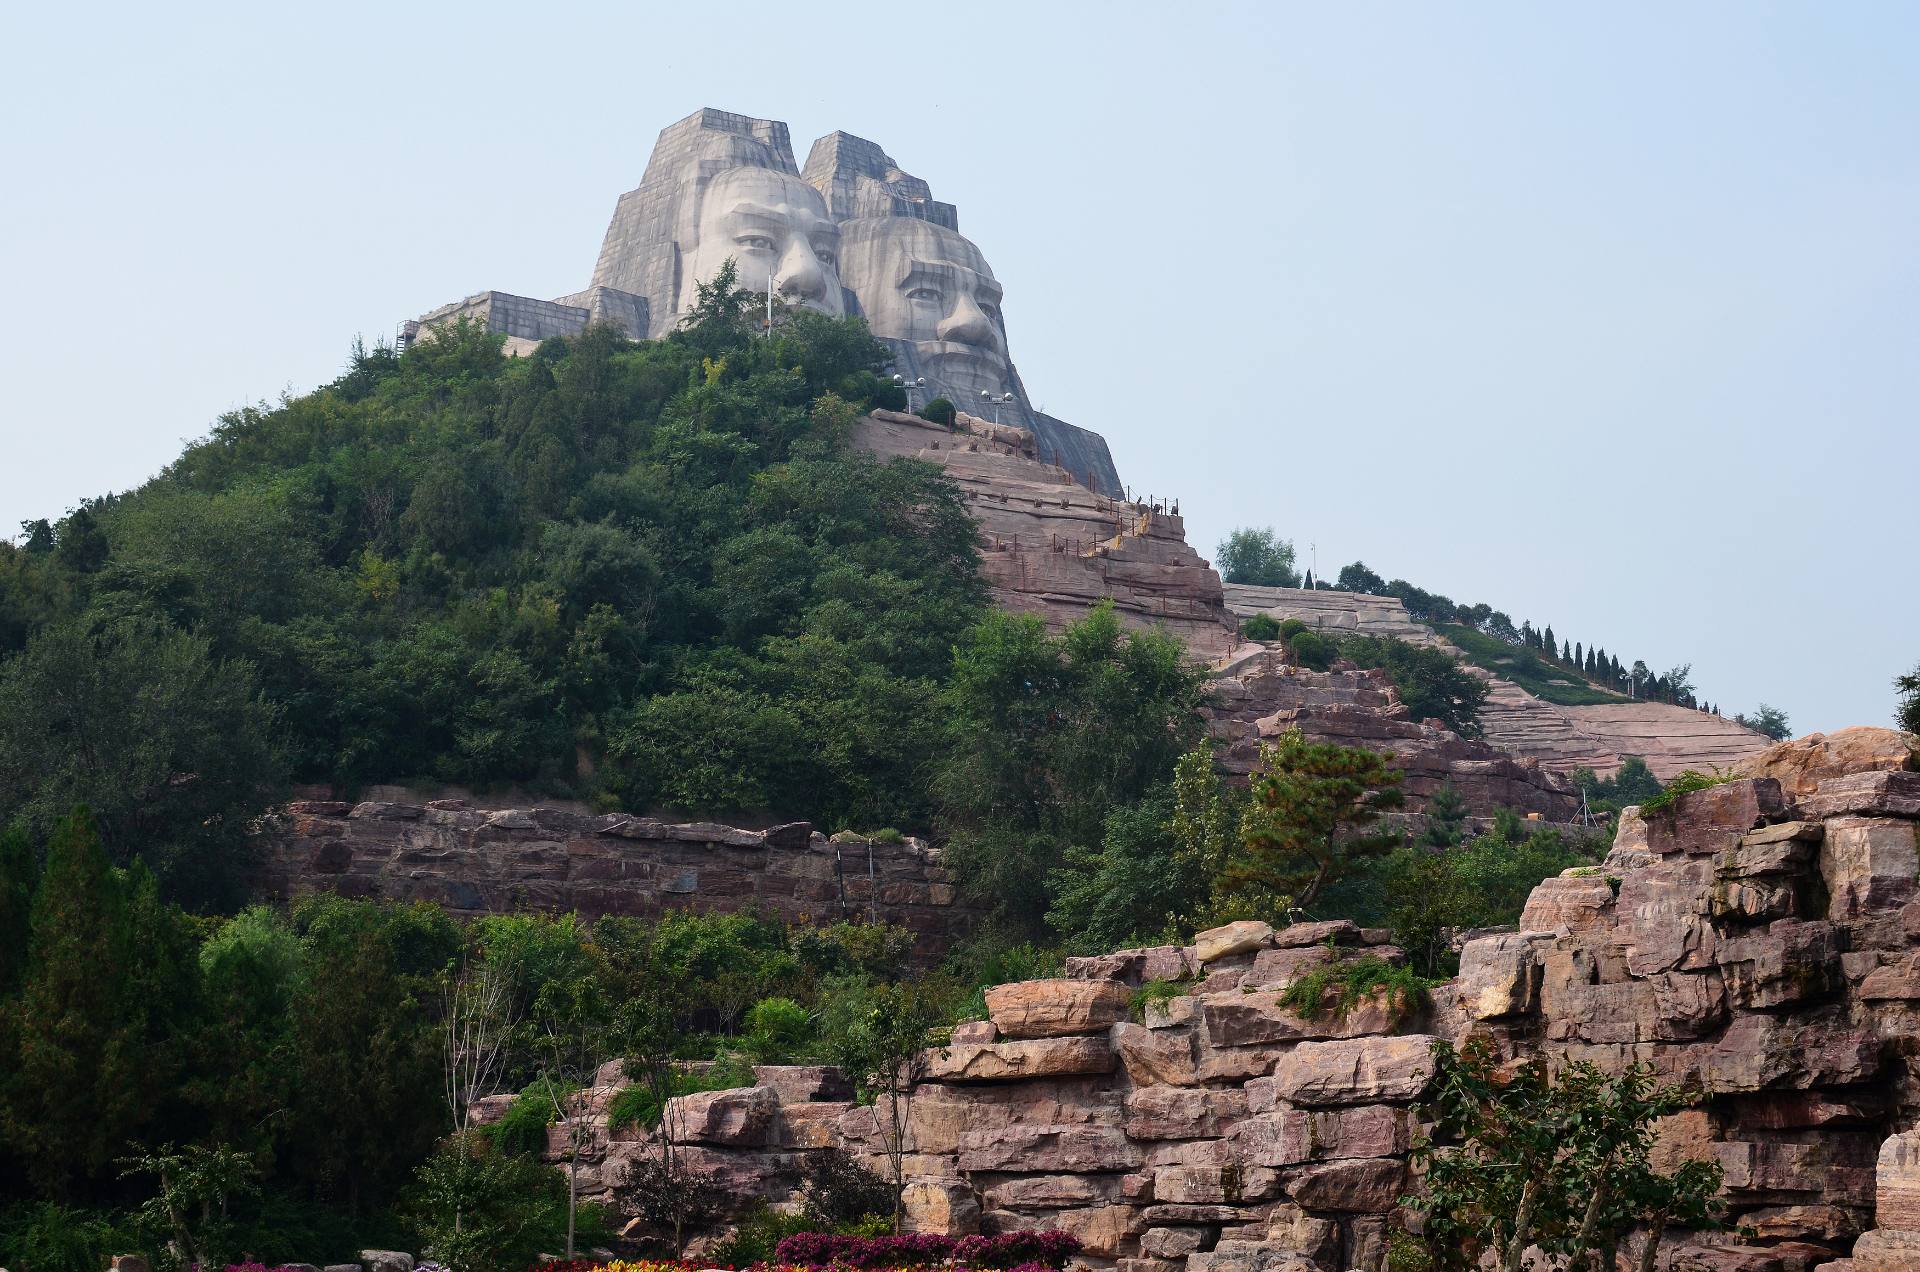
x=1566 y=652
x=1579 y=658
x=1548 y=643
x=1446 y=818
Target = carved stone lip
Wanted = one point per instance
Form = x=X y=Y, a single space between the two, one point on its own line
x=932 y=351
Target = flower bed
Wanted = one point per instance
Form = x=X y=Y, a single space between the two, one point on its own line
x=1015 y=1251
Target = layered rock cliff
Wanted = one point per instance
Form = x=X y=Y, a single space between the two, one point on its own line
x=1052 y=547
x=494 y=861
x=1670 y=739
x=1759 y=938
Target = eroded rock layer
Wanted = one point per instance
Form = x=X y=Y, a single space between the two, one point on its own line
x=1671 y=739
x=1052 y=547
x=1760 y=938
x=496 y=861
x=1258 y=697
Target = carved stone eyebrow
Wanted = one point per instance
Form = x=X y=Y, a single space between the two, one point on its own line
x=954 y=275
x=814 y=228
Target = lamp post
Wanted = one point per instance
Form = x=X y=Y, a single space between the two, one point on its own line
x=918 y=382
x=997 y=400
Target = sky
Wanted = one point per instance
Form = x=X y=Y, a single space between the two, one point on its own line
x=1603 y=315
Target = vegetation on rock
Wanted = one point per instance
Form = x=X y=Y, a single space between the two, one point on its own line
x=1258 y=556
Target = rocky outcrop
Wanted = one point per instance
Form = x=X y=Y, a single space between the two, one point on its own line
x=1052 y=547
x=1742 y=940
x=495 y=861
x=1261 y=697
x=1670 y=739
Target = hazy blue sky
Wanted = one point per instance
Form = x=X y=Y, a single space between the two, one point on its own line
x=1606 y=317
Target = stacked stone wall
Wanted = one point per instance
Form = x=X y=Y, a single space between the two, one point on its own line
x=1760 y=939
x=480 y=861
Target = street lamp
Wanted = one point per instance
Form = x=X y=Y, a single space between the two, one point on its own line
x=918 y=382
x=998 y=401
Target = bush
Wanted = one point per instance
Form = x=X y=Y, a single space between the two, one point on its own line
x=778 y=1031
x=839 y=1190
x=1347 y=983
x=1261 y=627
x=1312 y=650
x=523 y=1129
x=938 y=411
x=48 y=1237
x=1691 y=780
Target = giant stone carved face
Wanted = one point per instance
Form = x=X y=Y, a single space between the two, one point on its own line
x=770 y=223
x=924 y=284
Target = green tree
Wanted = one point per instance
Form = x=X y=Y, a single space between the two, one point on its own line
x=367 y=1099
x=1432 y=683
x=1257 y=556
x=1358 y=578
x=1907 y=709
x=881 y=1037
x=1771 y=721
x=481 y=1210
x=172 y=749
x=1522 y=1156
x=107 y=985
x=1047 y=736
x=1446 y=818
x=1310 y=819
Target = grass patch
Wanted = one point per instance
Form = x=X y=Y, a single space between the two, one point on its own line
x=1159 y=991
x=1340 y=987
x=1691 y=780
x=1561 y=686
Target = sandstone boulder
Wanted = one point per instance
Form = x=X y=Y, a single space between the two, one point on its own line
x=1355 y=1071
x=800 y=1083
x=1049 y=1149
x=1234 y=938
x=1500 y=975
x=1172 y=1113
x=1803 y=765
x=1153 y=1057
x=1251 y=1256
x=386 y=1261
x=1869 y=864
x=1574 y=903
x=1887 y=1250
x=1371 y=1185
x=1172 y=1243
x=1705 y=821
x=1229 y=1185
x=740 y=1118
x=1102 y=1230
x=1057 y=1008
x=943 y=1206
x=1897 y=1193
x=1018 y=1061
x=1293 y=1137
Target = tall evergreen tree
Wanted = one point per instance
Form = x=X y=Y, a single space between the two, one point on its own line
x=1548 y=643
x=16 y=903
x=72 y=1100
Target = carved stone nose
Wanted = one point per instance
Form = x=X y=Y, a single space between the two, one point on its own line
x=800 y=276
x=969 y=324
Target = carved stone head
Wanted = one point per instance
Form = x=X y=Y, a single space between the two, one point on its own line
x=924 y=285
x=775 y=227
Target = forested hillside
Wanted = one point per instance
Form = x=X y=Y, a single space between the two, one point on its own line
x=646 y=574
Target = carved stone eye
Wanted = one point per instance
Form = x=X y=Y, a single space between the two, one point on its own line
x=759 y=242
x=927 y=294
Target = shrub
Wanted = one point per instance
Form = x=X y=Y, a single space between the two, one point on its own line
x=1685 y=783
x=48 y=1237
x=1159 y=991
x=1312 y=650
x=938 y=411
x=1261 y=627
x=523 y=1129
x=839 y=1190
x=778 y=1030
x=1348 y=983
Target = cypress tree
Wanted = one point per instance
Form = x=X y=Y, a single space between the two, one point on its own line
x=16 y=901
x=1579 y=658
x=67 y=1114
x=1547 y=641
